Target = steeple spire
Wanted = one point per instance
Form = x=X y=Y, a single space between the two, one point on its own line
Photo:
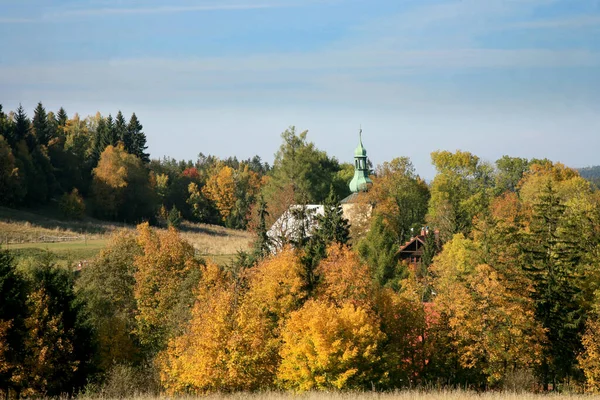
x=361 y=181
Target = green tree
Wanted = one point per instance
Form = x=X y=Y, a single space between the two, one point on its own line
x=138 y=139
x=553 y=256
x=107 y=286
x=59 y=342
x=378 y=250
x=121 y=131
x=509 y=172
x=299 y=164
x=459 y=191
x=400 y=196
x=39 y=125
x=62 y=117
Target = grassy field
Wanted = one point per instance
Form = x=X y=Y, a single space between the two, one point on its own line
x=29 y=234
x=401 y=395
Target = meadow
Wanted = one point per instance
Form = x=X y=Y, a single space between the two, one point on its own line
x=29 y=234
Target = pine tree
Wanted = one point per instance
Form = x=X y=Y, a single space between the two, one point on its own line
x=40 y=127
x=138 y=139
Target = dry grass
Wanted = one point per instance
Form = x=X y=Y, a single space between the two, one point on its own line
x=401 y=395
x=216 y=240
x=23 y=230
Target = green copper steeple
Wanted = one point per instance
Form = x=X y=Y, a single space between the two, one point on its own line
x=361 y=180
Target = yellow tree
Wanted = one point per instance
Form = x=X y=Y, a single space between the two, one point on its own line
x=198 y=360
x=163 y=271
x=589 y=359
x=276 y=287
x=342 y=277
x=220 y=188
x=232 y=341
x=326 y=347
x=121 y=186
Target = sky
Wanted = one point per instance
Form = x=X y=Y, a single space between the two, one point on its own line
x=226 y=77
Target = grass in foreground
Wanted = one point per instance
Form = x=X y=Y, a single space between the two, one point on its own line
x=400 y=395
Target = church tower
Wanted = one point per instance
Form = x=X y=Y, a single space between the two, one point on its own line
x=361 y=181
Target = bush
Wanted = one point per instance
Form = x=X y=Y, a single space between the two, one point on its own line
x=72 y=205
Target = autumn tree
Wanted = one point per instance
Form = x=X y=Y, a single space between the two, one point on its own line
x=165 y=274
x=121 y=186
x=327 y=347
x=10 y=192
x=199 y=360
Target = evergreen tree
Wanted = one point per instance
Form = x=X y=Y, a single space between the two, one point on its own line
x=98 y=144
x=59 y=342
x=262 y=244
x=21 y=127
x=13 y=297
x=122 y=132
x=40 y=127
x=62 y=117
x=378 y=249
x=110 y=133
x=138 y=139
x=333 y=227
x=553 y=258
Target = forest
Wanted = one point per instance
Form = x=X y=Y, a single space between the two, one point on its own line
x=505 y=297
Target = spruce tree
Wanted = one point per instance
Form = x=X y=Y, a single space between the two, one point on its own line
x=138 y=139
x=40 y=127
x=553 y=256
x=262 y=244
x=122 y=132
x=110 y=133
x=21 y=127
x=99 y=141
x=62 y=117
x=333 y=227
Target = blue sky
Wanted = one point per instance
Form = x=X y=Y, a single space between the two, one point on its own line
x=226 y=77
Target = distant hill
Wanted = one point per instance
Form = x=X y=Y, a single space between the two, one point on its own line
x=592 y=174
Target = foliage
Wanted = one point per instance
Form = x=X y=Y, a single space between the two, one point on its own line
x=162 y=272
x=328 y=346
x=72 y=205
x=107 y=284
x=401 y=197
x=378 y=250
x=121 y=186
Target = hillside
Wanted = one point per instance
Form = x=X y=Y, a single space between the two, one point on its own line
x=592 y=174
x=30 y=232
